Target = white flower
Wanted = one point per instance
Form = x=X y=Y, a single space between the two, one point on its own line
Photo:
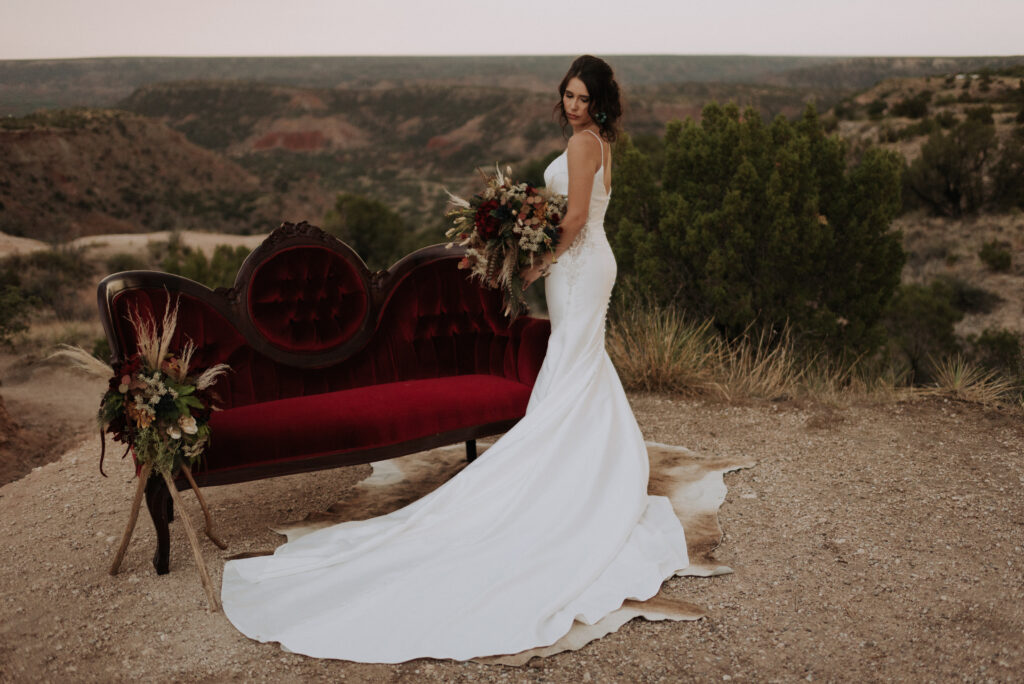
x=188 y=424
x=174 y=432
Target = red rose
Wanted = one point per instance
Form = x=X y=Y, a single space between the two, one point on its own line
x=486 y=225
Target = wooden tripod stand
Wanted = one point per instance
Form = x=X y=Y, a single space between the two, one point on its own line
x=204 y=576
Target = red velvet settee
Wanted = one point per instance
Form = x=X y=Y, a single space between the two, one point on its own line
x=332 y=365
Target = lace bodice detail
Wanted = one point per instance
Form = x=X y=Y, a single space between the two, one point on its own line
x=556 y=178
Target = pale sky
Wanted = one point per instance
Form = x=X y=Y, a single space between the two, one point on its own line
x=35 y=29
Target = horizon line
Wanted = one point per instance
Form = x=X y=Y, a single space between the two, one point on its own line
x=525 y=55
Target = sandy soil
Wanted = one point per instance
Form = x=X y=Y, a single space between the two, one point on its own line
x=870 y=542
x=103 y=246
x=11 y=245
x=107 y=245
x=44 y=411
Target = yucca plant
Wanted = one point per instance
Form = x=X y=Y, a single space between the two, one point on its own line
x=958 y=378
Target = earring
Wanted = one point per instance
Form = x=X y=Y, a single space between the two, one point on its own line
x=600 y=117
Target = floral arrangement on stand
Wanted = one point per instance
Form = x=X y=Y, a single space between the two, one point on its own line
x=505 y=228
x=162 y=413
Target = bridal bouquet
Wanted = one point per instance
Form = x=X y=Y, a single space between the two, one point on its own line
x=505 y=228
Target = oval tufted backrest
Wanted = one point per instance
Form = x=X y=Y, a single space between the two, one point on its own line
x=307 y=298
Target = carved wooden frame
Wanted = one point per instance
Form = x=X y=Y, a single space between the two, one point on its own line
x=232 y=302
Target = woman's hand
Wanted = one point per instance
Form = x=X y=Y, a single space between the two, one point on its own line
x=529 y=275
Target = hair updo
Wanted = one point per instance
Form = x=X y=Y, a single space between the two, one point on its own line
x=604 y=107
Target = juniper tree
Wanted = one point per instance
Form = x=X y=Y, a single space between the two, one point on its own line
x=753 y=223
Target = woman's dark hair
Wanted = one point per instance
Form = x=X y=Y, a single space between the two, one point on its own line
x=604 y=106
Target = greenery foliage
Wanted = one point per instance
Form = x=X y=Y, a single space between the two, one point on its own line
x=51 y=279
x=920 y=322
x=532 y=172
x=982 y=114
x=996 y=256
x=999 y=350
x=124 y=261
x=370 y=227
x=877 y=108
x=14 y=312
x=217 y=271
x=746 y=222
x=914 y=107
x=967 y=168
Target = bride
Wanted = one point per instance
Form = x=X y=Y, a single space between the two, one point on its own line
x=551 y=524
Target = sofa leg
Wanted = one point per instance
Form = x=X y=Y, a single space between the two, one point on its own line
x=471 y=450
x=160 y=505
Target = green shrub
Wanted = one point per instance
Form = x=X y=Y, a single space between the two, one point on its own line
x=877 y=108
x=50 y=278
x=968 y=298
x=845 y=109
x=999 y=350
x=218 y=271
x=532 y=172
x=986 y=80
x=949 y=174
x=14 y=312
x=982 y=115
x=370 y=227
x=946 y=119
x=923 y=127
x=124 y=261
x=749 y=222
x=888 y=134
x=920 y=321
x=913 y=107
x=1008 y=174
x=996 y=256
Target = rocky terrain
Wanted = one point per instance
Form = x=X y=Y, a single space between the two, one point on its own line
x=870 y=542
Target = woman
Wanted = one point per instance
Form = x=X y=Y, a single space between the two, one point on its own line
x=552 y=524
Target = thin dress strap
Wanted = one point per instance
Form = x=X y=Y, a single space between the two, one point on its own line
x=600 y=169
x=602 y=148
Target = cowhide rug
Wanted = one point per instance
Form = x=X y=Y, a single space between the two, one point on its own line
x=693 y=483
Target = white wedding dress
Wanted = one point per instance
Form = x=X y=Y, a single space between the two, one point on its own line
x=551 y=524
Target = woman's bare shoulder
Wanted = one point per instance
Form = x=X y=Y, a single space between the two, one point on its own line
x=585 y=146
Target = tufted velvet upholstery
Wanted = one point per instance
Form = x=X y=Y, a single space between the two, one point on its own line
x=307 y=298
x=327 y=358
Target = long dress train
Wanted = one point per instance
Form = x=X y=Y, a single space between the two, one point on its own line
x=551 y=524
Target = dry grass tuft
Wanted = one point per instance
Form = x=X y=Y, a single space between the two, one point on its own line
x=761 y=365
x=49 y=333
x=656 y=348
x=958 y=378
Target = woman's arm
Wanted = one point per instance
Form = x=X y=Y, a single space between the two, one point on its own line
x=584 y=159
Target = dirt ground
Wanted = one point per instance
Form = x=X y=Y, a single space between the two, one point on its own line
x=868 y=543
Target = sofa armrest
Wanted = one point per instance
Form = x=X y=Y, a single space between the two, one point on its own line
x=533 y=345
